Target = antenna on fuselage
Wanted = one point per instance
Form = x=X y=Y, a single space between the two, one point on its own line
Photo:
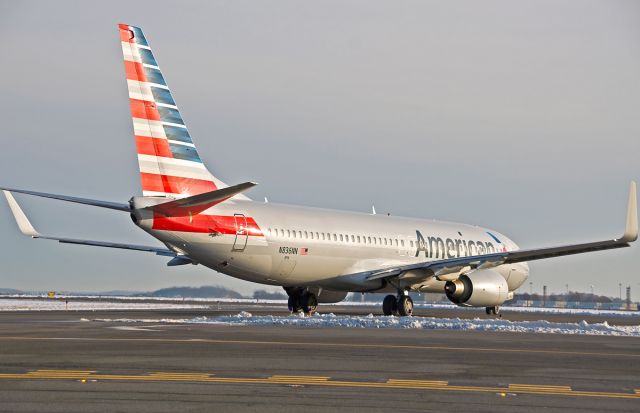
x=266 y=201
x=373 y=209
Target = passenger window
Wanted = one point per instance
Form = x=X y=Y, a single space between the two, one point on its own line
x=288 y=234
x=300 y=234
x=341 y=238
x=358 y=239
x=294 y=234
x=369 y=240
x=402 y=242
x=335 y=237
x=411 y=243
x=323 y=236
x=396 y=242
x=312 y=237
x=306 y=235
x=353 y=239
x=385 y=241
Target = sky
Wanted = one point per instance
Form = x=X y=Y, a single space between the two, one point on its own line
x=518 y=116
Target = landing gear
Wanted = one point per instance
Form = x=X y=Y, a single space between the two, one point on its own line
x=401 y=305
x=309 y=302
x=405 y=306
x=495 y=310
x=302 y=300
x=390 y=305
x=294 y=303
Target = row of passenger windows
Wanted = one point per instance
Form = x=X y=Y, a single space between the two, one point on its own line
x=348 y=238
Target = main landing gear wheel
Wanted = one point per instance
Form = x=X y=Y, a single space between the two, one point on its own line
x=309 y=303
x=294 y=303
x=405 y=305
x=390 y=305
x=495 y=310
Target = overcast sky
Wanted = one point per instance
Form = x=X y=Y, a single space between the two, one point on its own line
x=519 y=116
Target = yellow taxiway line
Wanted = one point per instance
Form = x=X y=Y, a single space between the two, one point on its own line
x=407 y=384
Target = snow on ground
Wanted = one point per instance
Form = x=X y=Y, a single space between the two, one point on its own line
x=57 y=305
x=420 y=323
x=96 y=302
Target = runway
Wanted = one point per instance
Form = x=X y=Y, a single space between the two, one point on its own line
x=53 y=361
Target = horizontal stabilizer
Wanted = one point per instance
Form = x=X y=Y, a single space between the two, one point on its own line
x=93 y=202
x=180 y=260
x=197 y=203
x=28 y=229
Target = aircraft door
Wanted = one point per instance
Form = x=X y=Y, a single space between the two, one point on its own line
x=242 y=232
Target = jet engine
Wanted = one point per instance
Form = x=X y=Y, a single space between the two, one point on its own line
x=480 y=288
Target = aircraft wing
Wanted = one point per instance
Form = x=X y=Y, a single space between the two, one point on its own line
x=27 y=229
x=456 y=265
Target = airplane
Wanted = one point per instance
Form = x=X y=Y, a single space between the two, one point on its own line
x=316 y=255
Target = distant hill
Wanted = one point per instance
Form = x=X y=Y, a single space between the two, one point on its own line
x=265 y=295
x=193 y=292
x=10 y=291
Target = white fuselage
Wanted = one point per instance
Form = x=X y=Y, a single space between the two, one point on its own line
x=287 y=245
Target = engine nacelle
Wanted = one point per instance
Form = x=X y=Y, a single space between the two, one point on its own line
x=480 y=288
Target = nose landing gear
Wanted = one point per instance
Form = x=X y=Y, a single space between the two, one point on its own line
x=401 y=305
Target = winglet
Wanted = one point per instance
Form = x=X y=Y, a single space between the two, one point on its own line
x=21 y=219
x=631 y=229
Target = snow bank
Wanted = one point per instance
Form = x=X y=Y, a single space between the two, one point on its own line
x=420 y=323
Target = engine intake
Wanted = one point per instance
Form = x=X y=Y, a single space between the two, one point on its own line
x=480 y=288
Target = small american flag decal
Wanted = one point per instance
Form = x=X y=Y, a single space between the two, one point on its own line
x=304 y=251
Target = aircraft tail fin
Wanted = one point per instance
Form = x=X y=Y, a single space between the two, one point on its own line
x=169 y=162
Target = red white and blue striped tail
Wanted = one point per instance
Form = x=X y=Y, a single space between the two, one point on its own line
x=169 y=162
